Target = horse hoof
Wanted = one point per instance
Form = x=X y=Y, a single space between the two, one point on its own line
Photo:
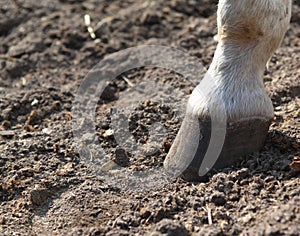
x=198 y=150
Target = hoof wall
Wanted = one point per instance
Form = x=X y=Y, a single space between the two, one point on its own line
x=188 y=155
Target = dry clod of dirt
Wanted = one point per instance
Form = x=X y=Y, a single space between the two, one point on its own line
x=169 y=227
x=39 y=196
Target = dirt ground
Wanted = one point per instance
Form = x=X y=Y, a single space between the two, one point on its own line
x=47 y=189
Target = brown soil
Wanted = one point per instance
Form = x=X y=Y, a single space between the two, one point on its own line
x=47 y=189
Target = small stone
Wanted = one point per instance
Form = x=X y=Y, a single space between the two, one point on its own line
x=108 y=133
x=34 y=102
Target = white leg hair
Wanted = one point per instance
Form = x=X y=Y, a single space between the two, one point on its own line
x=249 y=32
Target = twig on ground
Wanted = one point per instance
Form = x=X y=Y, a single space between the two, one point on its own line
x=90 y=29
x=127 y=81
x=209 y=216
